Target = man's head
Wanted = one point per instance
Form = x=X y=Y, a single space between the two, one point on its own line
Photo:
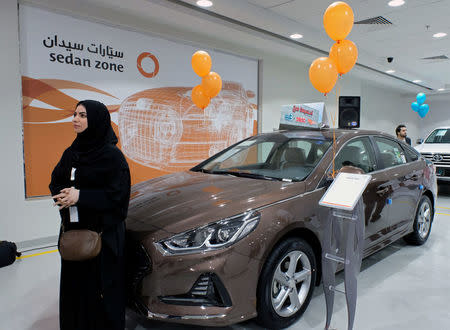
x=401 y=131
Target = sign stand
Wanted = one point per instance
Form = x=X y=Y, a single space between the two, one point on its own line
x=343 y=241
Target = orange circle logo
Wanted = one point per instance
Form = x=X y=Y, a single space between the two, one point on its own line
x=142 y=71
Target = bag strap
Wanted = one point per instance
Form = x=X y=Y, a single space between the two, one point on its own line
x=63 y=229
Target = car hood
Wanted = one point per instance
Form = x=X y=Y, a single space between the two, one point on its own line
x=434 y=147
x=185 y=200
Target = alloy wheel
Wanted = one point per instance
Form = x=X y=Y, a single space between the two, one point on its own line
x=291 y=283
x=424 y=219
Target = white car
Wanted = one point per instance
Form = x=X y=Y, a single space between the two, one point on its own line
x=436 y=148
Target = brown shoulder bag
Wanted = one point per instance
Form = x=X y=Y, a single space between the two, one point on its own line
x=79 y=244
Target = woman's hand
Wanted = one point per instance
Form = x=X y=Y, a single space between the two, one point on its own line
x=67 y=197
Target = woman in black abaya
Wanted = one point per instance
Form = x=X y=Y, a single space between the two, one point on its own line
x=91 y=185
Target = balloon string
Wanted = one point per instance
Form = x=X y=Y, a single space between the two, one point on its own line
x=338 y=91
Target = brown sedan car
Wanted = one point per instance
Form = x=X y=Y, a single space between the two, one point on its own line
x=240 y=235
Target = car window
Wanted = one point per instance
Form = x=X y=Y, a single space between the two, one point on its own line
x=357 y=152
x=264 y=151
x=391 y=152
x=310 y=151
x=269 y=156
x=440 y=135
x=302 y=144
x=247 y=155
x=411 y=154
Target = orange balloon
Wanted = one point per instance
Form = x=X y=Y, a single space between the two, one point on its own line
x=344 y=53
x=199 y=97
x=323 y=74
x=201 y=63
x=212 y=84
x=338 y=20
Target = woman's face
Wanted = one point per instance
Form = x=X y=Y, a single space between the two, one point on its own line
x=80 y=122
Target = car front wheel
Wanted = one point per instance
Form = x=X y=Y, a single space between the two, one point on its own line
x=286 y=284
x=422 y=223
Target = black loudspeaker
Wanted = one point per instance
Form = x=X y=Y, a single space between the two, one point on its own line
x=349 y=111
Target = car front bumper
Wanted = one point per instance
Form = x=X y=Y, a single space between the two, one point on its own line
x=164 y=290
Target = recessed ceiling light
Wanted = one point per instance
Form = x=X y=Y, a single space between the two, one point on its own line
x=417 y=81
x=204 y=3
x=441 y=89
x=396 y=3
x=296 y=36
x=439 y=35
x=390 y=71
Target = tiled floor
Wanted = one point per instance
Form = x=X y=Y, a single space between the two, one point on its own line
x=400 y=287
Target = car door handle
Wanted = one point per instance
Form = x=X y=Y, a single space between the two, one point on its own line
x=382 y=191
x=413 y=177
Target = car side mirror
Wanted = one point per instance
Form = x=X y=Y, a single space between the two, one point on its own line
x=419 y=141
x=327 y=181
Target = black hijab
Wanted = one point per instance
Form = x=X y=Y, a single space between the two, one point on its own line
x=94 y=154
x=89 y=144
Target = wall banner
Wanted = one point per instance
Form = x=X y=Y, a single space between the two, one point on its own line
x=144 y=81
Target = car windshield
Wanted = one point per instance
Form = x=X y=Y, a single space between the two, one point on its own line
x=269 y=157
x=440 y=135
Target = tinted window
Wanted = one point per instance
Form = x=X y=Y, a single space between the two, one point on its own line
x=440 y=135
x=269 y=157
x=358 y=152
x=411 y=154
x=391 y=152
x=311 y=150
x=247 y=154
x=302 y=144
x=264 y=151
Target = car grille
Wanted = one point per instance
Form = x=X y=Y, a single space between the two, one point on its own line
x=437 y=158
x=138 y=266
x=442 y=172
x=208 y=290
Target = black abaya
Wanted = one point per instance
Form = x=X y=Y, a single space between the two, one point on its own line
x=92 y=294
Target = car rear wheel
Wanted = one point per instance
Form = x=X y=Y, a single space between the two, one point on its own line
x=286 y=284
x=422 y=223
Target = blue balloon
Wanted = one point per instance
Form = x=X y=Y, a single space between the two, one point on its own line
x=421 y=97
x=415 y=106
x=423 y=110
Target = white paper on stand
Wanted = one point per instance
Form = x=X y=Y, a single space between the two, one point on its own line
x=345 y=191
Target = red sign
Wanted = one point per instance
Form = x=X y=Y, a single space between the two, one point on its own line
x=296 y=108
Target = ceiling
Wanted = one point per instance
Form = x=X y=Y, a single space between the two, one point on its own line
x=265 y=25
x=408 y=39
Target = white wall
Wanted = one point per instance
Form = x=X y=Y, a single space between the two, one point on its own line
x=438 y=116
x=20 y=220
x=383 y=109
x=284 y=81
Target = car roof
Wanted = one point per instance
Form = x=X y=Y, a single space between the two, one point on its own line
x=326 y=133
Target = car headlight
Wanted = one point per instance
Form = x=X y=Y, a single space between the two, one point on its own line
x=213 y=236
